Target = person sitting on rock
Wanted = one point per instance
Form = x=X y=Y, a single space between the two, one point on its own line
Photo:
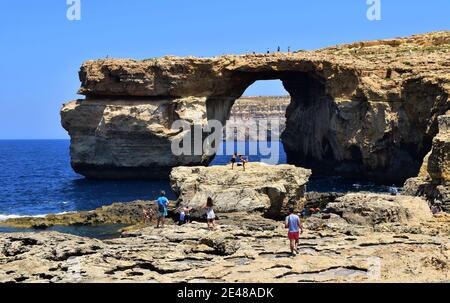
x=437 y=208
x=185 y=216
x=295 y=228
x=147 y=214
x=163 y=204
x=316 y=212
x=304 y=213
x=393 y=190
x=210 y=215
x=182 y=217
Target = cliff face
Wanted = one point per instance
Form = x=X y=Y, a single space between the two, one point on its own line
x=248 y=111
x=433 y=180
x=368 y=108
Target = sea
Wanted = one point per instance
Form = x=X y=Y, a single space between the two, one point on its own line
x=36 y=179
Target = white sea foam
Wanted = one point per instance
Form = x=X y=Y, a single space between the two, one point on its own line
x=4 y=217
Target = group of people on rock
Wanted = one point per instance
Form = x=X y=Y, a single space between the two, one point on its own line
x=292 y=221
x=235 y=158
x=184 y=212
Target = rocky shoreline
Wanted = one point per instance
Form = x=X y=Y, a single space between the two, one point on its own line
x=360 y=237
x=245 y=248
x=377 y=109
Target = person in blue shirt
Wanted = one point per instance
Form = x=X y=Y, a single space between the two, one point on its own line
x=163 y=203
x=393 y=190
x=295 y=229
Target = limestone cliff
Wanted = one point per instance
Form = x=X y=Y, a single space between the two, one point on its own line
x=434 y=177
x=248 y=111
x=368 y=108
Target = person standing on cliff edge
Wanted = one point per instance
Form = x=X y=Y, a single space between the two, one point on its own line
x=243 y=160
x=295 y=229
x=233 y=160
x=163 y=203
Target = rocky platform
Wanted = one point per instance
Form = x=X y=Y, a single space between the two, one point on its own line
x=270 y=189
x=245 y=248
x=367 y=108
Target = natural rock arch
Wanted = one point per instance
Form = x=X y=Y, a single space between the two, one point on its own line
x=366 y=109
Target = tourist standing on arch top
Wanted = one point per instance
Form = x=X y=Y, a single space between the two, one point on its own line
x=163 y=204
x=295 y=228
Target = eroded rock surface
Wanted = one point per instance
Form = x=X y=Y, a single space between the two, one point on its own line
x=369 y=108
x=270 y=189
x=245 y=248
x=372 y=209
x=434 y=178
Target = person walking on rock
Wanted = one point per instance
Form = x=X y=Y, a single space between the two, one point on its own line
x=295 y=228
x=163 y=204
x=210 y=215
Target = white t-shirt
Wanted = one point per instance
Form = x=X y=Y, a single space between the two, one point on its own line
x=210 y=213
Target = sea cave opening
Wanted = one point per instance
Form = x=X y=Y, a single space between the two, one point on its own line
x=306 y=138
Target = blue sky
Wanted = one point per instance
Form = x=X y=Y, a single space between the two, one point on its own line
x=41 y=51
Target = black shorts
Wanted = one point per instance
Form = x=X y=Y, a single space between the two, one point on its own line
x=233 y=160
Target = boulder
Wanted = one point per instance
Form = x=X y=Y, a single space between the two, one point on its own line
x=267 y=188
x=372 y=209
